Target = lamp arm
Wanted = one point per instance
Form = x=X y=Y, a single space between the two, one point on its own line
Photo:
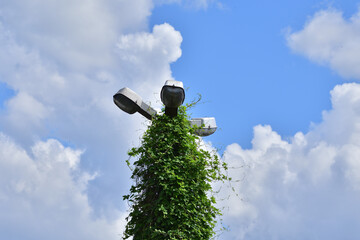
x=147 y=111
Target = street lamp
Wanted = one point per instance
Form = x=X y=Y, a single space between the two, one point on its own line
x=172 y=95
x=130 y=102
x=206 y=126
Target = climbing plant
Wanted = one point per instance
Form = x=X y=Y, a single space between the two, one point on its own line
x=171 y=196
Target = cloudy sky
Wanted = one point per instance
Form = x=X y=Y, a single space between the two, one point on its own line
x=280 y=77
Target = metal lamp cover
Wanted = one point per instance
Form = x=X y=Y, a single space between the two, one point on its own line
x=172 y=94
x=127 y=100
x=207 y=126
x=130 y=102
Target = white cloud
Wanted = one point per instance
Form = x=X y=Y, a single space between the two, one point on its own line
x=328 y=38
x=43 y=195
x=65 y=60
x=24 y=106
x=162 y=40
x=305 y=188
x=76 y=34
x=146 y=56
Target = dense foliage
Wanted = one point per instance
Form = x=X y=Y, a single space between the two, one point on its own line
x=171 y=196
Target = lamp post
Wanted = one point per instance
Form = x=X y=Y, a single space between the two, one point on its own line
x=172 y=95
x=169 y=199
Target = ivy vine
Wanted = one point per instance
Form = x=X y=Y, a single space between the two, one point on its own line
x=171 y=197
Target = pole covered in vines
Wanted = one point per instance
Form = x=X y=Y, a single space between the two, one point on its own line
x=171 y=195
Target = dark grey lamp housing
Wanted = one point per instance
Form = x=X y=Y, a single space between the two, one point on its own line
x=172 y=95
x=128 y=101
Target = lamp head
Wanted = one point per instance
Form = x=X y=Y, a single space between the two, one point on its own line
x=127 y=100
x=172 y=95
x=206 y=126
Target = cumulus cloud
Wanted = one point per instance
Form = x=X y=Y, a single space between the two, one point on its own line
x=328 y=38
x=70 y=99
x=78 y=34
x=64 y=61
x=43 y=194
x=146 y=56
x=303 y=188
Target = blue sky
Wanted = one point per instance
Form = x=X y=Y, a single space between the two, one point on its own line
x=237 y=58
x=280 y=77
